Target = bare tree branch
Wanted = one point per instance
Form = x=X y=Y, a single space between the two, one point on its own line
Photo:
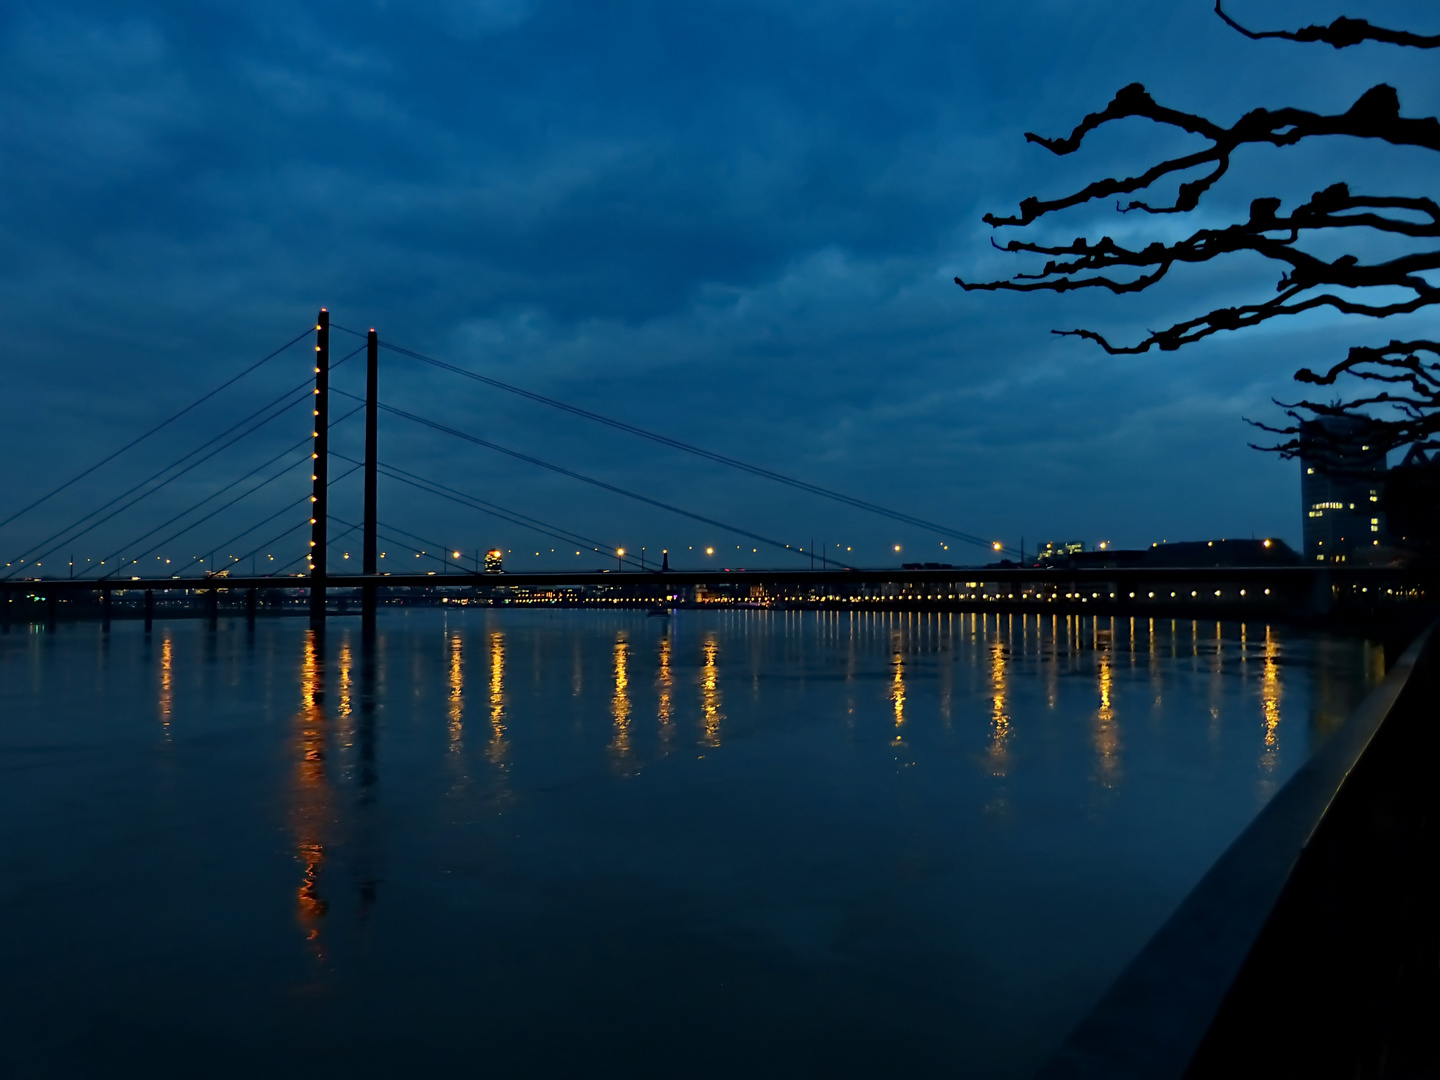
x=1341 y=33
x=1241 y=318
x=1407 y=418
x=1375 y=115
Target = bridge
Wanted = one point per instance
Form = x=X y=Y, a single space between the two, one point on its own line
x=1202 y=591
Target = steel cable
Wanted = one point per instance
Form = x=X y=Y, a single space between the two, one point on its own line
x=164 y=423
x=689 y=448
x=248 y=431
x=777 y=544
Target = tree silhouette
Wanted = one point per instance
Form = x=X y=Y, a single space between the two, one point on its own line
x=1395 y=389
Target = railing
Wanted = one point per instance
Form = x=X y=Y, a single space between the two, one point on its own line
x=1312 y=946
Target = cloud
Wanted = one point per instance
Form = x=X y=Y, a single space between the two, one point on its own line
x=736 y=223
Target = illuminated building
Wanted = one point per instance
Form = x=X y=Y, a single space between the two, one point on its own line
x=1341 y=483
x=493 y=560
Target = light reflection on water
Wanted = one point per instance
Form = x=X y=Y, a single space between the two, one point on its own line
x=310 y=808
x=871 y=843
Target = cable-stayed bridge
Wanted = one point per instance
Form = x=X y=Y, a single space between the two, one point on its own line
x=306 y=522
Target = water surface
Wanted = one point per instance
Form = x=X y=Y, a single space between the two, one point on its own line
x=587 y=843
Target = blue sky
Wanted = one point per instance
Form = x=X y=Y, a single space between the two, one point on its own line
x=735 y=223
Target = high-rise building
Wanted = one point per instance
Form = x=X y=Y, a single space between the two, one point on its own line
x=1341 y=480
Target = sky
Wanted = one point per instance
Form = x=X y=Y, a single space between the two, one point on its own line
x=733 y=223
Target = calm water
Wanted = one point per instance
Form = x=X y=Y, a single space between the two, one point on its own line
x=519 y=842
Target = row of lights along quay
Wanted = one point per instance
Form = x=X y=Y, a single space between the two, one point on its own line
x=1359 y=594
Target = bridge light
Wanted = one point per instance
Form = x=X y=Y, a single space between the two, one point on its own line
x=995 y=545
x=709 y=551
x=457 y=554
x=897 y=547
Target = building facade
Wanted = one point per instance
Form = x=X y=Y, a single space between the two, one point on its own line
x=1342 y=479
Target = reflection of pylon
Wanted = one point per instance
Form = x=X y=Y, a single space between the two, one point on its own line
x=664 y=561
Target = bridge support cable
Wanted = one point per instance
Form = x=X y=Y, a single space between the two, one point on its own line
x=259 y=524
x=202 y=520
x=213 y=495
x=384 y=531
x=73 y=536
x=241 y=558
x=529 y=459
x=302 y=581
x=191 y=509
x=690 y=448
x=285 y=401
x=276 y=539
x=544 y=528
x=164 y=423
x=554 y=532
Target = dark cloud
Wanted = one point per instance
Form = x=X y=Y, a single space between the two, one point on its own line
x=732 y=222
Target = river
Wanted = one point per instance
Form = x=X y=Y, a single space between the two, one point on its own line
x=529 y=842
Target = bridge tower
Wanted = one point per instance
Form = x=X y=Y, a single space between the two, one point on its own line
x=372 y=416
x=320 y=470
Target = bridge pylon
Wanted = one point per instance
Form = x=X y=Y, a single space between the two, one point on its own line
x=320 y=471
x=372 y=417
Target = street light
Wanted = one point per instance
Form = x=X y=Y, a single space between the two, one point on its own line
x=619 y=557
